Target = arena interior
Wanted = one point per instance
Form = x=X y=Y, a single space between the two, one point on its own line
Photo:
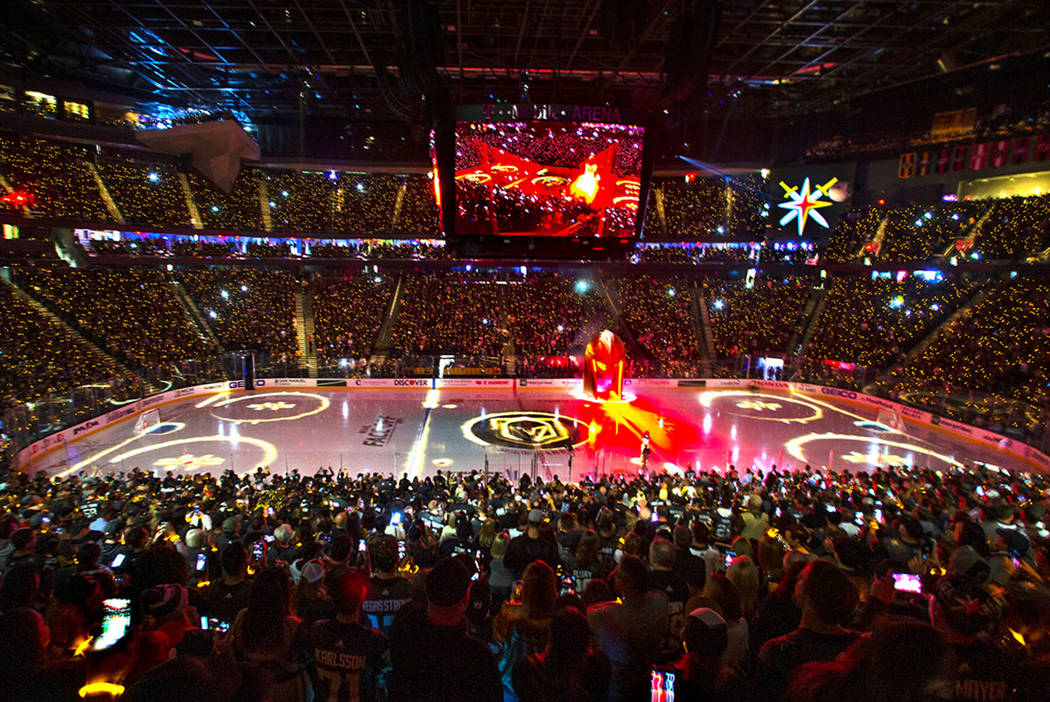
x=524 y=351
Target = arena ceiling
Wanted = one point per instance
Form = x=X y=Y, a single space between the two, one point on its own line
x=376 y=57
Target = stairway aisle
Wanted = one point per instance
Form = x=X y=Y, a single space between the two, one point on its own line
x=815 y=305
x=111 y=205
x=304 y=329
x=702 y=324
x=191 y=203
x=381 y=348
x=189 y=306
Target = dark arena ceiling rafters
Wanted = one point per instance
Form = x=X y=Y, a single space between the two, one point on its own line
x=362 y=58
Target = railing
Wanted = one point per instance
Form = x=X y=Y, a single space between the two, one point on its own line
x=22 y=424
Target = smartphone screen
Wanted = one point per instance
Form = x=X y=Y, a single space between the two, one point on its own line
x=730 y=555
x=214 y=624
x=268 y=538
x=395 y=518
x=361 y=545
x=662 y=686
x=202 y=560
x=257 y=550
x=878 y=516
x=115 y=623
x=906 y=582
x=118 y=560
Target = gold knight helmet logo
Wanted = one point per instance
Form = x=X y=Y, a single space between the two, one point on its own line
x=532 y=431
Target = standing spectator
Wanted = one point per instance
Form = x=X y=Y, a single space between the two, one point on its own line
x=264 y=634
x=828 y=600
x=530 y=546
x=702 y=673
x=567 y=669
x=965 y=615
x=702 y=548
x=347 y=656
x=778 y=614
x=387 y=591
x=523 y=628
x=905 y=661
x=756 y=522
x=434 y=660
x=688 y=565
x=630 y=632
x=310 y=600
x=665 y=580
x=501 y=578
x=723 y=595
x=230 y=595
x=283 y=549
x=342 y=552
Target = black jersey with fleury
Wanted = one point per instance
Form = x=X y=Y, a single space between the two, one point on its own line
x=347 y=659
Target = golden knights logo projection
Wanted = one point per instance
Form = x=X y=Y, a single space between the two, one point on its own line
x=526 y=431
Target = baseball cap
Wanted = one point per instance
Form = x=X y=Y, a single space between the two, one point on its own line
x=965 y=606
x=448 y=583
x=312 y=572
x=967 y=562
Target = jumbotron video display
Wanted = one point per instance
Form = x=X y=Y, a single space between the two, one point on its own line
x=572 y=179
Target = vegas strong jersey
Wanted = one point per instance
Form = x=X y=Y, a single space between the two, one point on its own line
x=384 y=599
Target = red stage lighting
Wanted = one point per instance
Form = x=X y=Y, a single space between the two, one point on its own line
x=18 y=198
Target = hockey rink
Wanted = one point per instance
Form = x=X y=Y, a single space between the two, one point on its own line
x=419 y=431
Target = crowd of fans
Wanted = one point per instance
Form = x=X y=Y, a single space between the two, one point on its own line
x=874 y=321
x=758 y=320
x=921 y=233
x=39 y=357
x=805 y=585
x=366 y=204
x=348 y=315
x=459 y=313
x=247 y=308
x=419 y=212
x=998 y=347
x=746 y=204
x=658 y=314
x=238 y=211
x=56 y=178
x=855 y=229
x=132 y=314
x=300 y=201
x=692 y=210
x=1017 y=227
x=147 y=192
x=554 y=315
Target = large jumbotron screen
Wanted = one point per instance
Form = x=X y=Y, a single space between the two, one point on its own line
x=547 y=178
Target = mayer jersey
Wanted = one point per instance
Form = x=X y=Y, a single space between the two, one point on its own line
x=347 y=660
x=384 y=599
